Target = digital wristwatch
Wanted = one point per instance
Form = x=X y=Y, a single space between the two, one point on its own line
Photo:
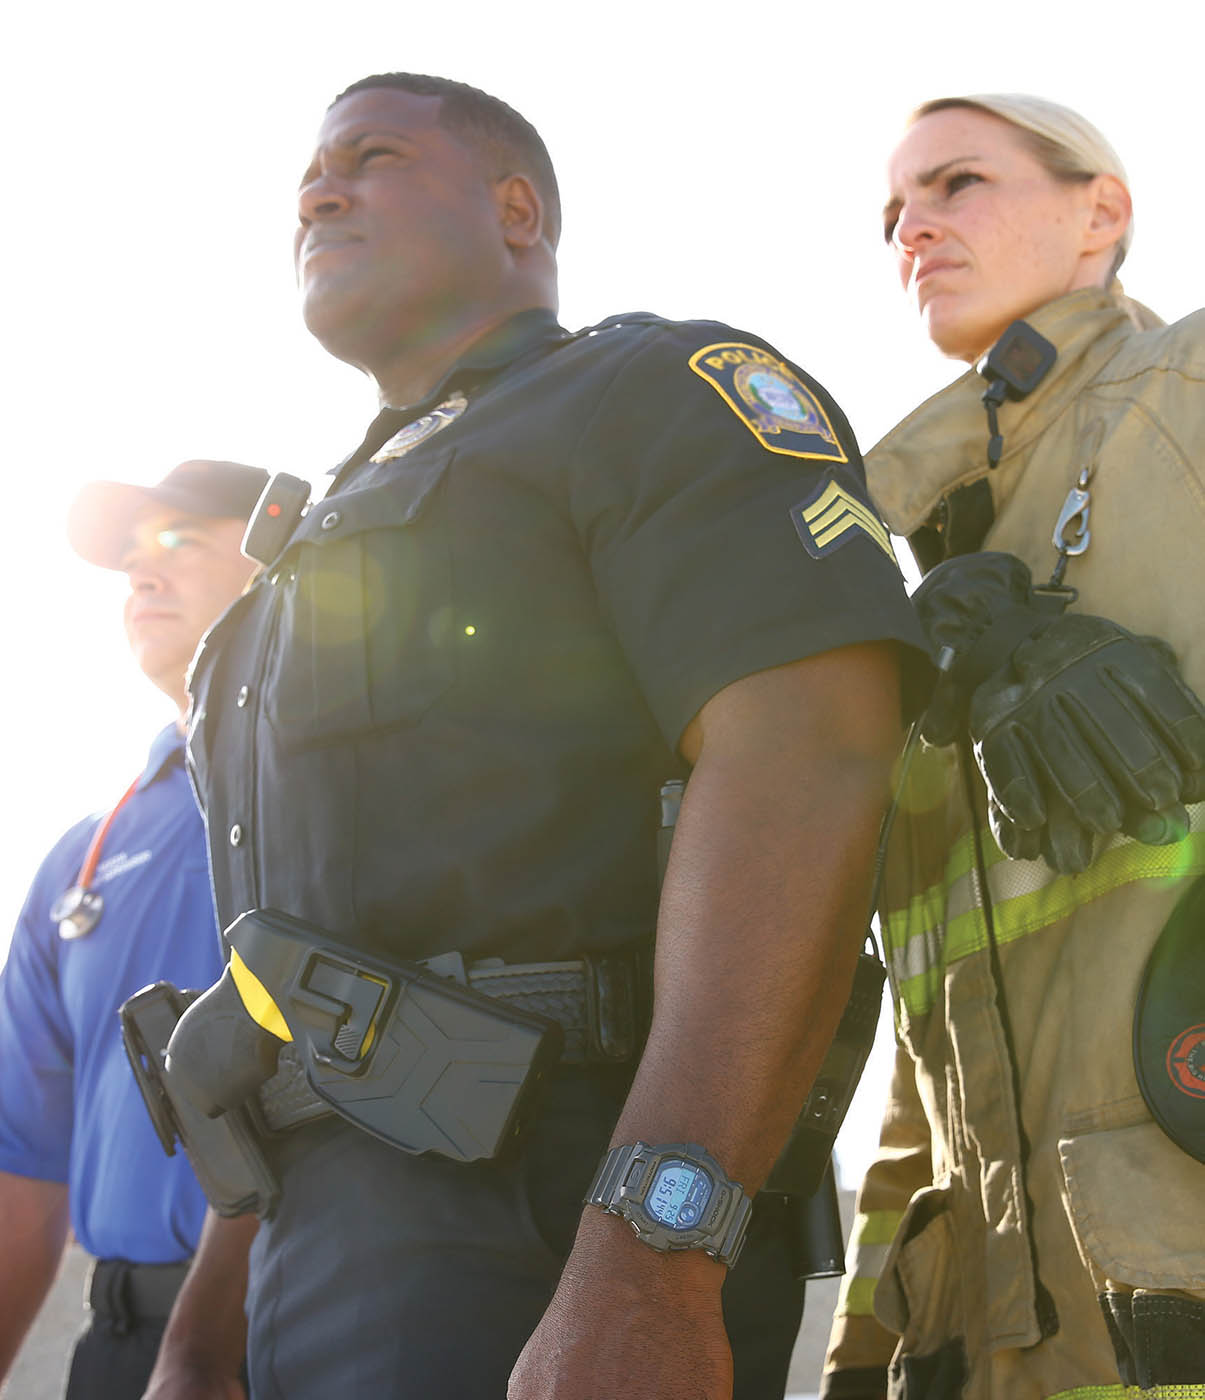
x=675 y=1196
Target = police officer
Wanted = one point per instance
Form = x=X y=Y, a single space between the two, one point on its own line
x=559 y=570
x=120 y=901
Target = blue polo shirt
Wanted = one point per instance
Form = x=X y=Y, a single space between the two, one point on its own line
x=70 y=1110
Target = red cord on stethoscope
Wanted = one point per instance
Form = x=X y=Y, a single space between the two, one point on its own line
x=77 y=910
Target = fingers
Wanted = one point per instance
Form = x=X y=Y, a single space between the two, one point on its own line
x=1067 y=842
x=1013 y=840
x=1156 y=828
x=945 y=717
x=1012 y=778
x=1063 y=841
x=1164 y=697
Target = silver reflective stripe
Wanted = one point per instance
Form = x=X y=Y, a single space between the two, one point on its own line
x=867 y=1260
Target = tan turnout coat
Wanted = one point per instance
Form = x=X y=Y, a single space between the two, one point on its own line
x=952 y=1219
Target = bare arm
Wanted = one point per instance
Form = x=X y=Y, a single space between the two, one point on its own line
x=201 y=1355
x=761 y=920
x=33 y=1226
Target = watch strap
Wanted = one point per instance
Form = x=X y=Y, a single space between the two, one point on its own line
x=604 y=1189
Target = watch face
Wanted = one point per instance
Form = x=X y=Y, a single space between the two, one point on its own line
x=679 y=1194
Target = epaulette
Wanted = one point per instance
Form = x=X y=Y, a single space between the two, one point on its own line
x=625 y=318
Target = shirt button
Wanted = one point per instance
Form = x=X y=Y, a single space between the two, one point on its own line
x=331 y=519
x=236 y=835
x=243 y=694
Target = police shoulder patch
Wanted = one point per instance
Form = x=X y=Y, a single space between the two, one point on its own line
x=770 y=399
x=832 y=516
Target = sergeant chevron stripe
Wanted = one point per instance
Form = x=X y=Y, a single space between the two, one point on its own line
x=824 y=521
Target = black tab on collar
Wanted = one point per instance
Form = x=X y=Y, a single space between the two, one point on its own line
x=959 y=525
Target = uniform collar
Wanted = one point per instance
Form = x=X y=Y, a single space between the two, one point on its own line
x=526 y=331
x=942 y=445
x=505 y=343
x=167 y=751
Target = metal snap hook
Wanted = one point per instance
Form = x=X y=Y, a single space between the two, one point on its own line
x=1076 y=512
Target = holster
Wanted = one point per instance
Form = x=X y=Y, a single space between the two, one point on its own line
x=804 y=1170
x=224 y=1152
x=418 y=1060
x=801 y=1164
x=814 y=1232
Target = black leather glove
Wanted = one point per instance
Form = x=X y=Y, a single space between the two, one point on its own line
x=1089 y=730
x=980 y=607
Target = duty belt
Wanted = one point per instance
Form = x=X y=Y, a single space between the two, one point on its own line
x=601 y=1002
x=127 y=1294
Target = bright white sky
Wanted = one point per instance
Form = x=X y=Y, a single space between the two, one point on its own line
x=720 y=160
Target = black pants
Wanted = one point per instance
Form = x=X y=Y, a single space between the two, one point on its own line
x=113 y=1364
x=129 y=1307
x=414 y=1278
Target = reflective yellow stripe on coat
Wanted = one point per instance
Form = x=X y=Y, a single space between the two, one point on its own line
x=945 y=922
x=869 y=1239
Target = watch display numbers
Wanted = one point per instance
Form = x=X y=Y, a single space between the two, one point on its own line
x=679 y=1194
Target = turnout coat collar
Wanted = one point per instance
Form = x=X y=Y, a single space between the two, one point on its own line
x=908 y=478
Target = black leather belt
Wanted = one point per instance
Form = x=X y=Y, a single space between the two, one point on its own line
x=127 y=1294
x=602 y=1002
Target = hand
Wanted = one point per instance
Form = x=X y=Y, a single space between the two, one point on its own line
x=628 y=1321
x=975 y=608
x=181 y=1383
x=205 y=1341
x=1088 y=732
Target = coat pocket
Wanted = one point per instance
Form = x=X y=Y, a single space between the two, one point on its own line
x=921 y=1296
x=1135 y=1204
x=920 y=1293
x=364 y=638
x=1134 y=1200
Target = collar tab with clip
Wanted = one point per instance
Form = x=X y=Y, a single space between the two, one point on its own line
x=1013 y=367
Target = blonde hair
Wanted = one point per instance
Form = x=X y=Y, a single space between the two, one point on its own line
x=1068 y=147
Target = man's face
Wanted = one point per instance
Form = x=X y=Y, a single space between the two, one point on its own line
x=982 y=232
x=399 y=234
x=184 y=570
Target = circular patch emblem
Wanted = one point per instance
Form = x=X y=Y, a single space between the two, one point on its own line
x=1186 y=1062
x=770 y=398
x=779 y=402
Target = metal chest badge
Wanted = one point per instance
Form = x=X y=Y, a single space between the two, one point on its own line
x=770 y=399
x=409 y=437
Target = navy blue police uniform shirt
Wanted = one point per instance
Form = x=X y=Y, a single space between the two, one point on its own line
x=70 y=1110
x=442 y=717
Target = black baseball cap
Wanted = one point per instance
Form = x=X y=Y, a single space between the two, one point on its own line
x=101 y=516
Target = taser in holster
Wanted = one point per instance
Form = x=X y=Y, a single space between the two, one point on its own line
x=224 y=1152
x=800 y=1168
x=417 y=1060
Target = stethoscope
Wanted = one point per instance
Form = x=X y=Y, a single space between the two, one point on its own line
x=77 y=911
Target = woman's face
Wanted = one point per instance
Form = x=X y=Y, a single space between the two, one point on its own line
x=982 y=233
